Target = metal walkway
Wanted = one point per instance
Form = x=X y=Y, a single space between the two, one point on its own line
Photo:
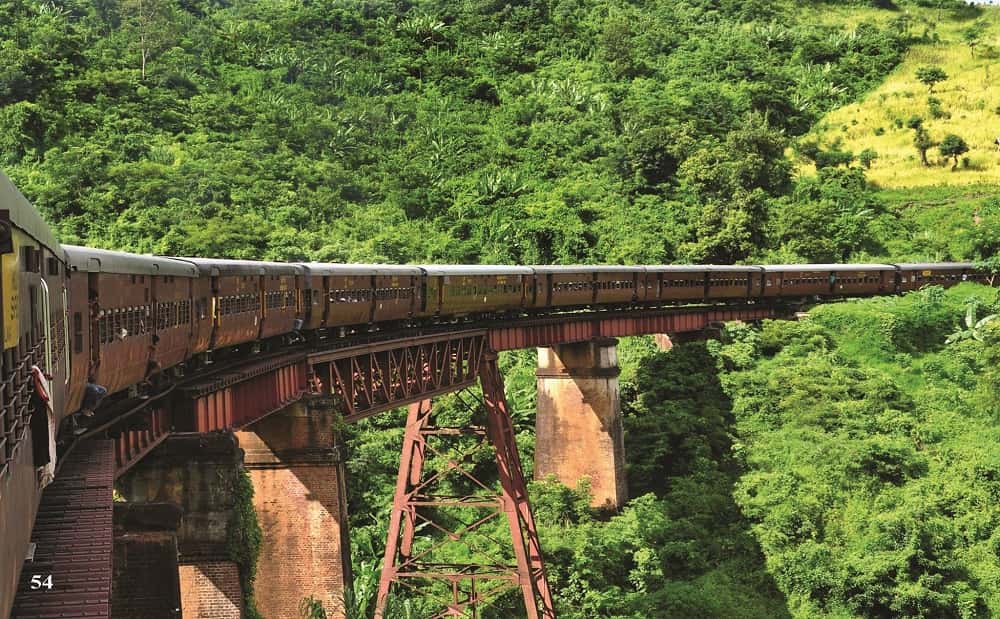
x=70 y=575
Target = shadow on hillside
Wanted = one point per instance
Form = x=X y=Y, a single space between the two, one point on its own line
x=678 y=446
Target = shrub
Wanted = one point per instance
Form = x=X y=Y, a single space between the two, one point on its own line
x=867 y=157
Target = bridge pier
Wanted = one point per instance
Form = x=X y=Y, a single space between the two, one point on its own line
x=300 y=498
x=196 y=477
x=578 y=427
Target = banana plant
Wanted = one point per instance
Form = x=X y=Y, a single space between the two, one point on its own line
x=974 y=329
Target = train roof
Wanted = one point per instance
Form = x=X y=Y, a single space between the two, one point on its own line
x=24 y=216
x=799 y=268
x=223 y=266
x=333 y=268
x=917 y=266
x=588 y=268
x=701 y=268
x=92 y=260
x=474 y=269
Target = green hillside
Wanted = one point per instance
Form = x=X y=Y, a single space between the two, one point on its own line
x=527 y=131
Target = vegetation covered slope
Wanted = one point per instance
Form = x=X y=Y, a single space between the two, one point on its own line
x=529 y=131
x=869 y=450
x=965 y=45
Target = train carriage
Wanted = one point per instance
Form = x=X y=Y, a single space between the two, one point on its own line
x=397 y=292
x=312 y=293
x=617 y=285
x=457 y=290
x=825 y=279
x=233 y=298
x=280 y=287
x=344 y=292
x=129 y=327
x=174 y=317
x=916 y=275
x=583 y=285
x=678 y=282
x=33 y=330
x=863 y=279
x=733 y=281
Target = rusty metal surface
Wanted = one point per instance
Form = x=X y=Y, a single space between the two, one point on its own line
x=239 y=374
x=132 y=445
x=73 y=537
x=585 y=326
x=462 y=590
x=369 y=379
x=241 y=396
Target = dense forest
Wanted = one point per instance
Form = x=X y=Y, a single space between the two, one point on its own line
x=840 y=466
x=477 y=131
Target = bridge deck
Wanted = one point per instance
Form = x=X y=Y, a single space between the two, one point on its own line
x=74 y=540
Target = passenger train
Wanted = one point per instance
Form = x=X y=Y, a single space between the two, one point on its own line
x=74 y=316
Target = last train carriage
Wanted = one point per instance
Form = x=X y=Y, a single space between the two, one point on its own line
x=74 y=318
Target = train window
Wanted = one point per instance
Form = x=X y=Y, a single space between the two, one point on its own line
x=53 y=266
x=32 y=259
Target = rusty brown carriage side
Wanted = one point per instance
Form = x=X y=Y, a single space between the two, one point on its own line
x=916 y=275
x=673 y=283
x=280 y=287
x=733 y=281
x=397 y=292
x=230 y=292
x=802 y=280
x=585 y=285
x=139 y=312
x=462 y=290
x=357 y=294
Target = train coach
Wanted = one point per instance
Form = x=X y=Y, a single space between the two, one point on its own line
x=343 y=295
x=130 y=313
x=456 y=291
x=583 y=286
x=915 y=275
x=822 y=280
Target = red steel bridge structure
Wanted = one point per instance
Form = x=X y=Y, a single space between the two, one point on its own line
x=363 y=378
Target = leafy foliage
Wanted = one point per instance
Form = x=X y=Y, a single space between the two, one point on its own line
x=953 y=146
x=472 y=132
x=865 y=442
x=243 y=540
x=930 y=76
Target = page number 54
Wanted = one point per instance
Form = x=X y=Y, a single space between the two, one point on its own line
x=41 y=582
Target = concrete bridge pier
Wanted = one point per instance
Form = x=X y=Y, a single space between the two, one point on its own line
x=579 y=422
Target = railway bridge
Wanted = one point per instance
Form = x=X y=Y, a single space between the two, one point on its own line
x=162 y=547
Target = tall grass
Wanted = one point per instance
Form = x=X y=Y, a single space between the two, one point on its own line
x=970 y=97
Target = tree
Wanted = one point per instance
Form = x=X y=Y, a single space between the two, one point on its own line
x=973 y=35
x=953 y=146
x=923 y=142
x=929 y=76
x=154 y=26
x=867 y=157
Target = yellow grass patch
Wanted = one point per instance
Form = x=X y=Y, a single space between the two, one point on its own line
x=971 y=94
